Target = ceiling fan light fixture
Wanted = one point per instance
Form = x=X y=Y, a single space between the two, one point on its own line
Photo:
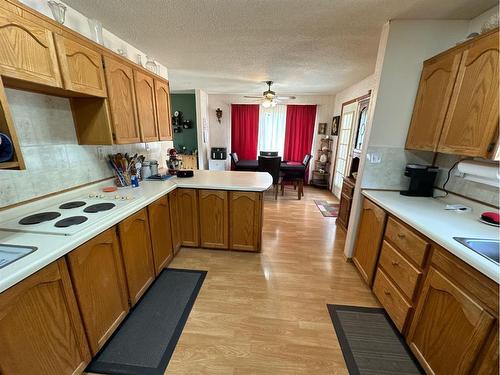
x=267 y=103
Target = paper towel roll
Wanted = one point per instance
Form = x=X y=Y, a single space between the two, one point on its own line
x=480 y=171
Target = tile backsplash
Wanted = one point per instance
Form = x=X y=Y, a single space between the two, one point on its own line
x=54 y=159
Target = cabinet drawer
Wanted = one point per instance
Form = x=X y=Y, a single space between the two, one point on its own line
x=347 y=189
x=402 y=272
x=407 y=241
x=391 y=299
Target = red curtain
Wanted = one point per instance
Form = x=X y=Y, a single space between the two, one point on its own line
x=299 y=131
x=245 y=130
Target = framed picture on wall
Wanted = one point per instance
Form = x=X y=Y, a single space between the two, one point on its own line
x=322 y=128
x=335 y=125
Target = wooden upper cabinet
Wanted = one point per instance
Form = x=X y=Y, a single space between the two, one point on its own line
x=174 y=220
x=433 y=96
x=40 y=327
x=471 y=124
x=368 y=242
x=245 y=220
x=163 y=111
x=214 y=222
x=27 y=51
x=81 y=67
x=146 y=110
x=96 y=269
x=187 y=201
x=121 y=96
x=449 y=328
x=137 y=255
x=161 y=234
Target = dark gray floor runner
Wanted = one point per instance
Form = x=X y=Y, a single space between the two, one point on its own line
x=370 y=343
x=145 y=341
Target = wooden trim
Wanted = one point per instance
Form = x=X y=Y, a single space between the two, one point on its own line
x=358 y=99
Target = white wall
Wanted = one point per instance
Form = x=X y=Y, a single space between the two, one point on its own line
x=354 y=91
x=202 y=126
x=220 y=133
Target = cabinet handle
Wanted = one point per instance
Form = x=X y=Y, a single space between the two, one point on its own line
x=387 y=293
x=395 y=263
x=401 y=235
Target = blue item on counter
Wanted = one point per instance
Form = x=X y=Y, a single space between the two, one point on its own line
x=6 y=148
x=135 y=181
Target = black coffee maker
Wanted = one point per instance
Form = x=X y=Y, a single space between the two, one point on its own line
x=421 y=180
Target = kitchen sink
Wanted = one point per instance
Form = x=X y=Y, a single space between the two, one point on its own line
x=10 y=253
x=489 y=249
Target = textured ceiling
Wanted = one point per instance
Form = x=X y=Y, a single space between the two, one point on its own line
x=231 y=46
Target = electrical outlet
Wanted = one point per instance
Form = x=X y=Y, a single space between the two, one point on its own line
x=374 y=157
x=100 y=153
x=147 y=147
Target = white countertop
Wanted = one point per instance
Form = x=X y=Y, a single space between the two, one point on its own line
x=52 y=247
x=429 y=217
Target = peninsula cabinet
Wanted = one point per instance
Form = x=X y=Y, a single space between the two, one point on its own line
x=245 y=220
x=161 y=234
x=174 y=221
x=40 y=327
x=81 y=67
x=369 y=238
x=27 y=52
x=121 y=94
x=96 y=270
x=146 y=111
x=214 y=221
x=163 y=111
x=135 y=241
x=187 y=203
x=456 y=108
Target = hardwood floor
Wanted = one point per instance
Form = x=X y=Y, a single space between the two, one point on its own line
x=266 y=313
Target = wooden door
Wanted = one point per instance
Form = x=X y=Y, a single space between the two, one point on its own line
x=81 y=67
x=344 y=211
x=174 y=221
x=121 y=96
x=40 y=327
x=96 y=269
x=187 y=200
x=137 y=255
x=245 y=220
x=161 y=234
x=433 y=97
x=214 y=221
x=370 y=233
x=27 y=50
x=471 y=124
x=146 y=110
x=163 y=111
x=449 y=327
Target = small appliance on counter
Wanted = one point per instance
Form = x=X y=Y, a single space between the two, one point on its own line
x=219 y=153
x=181 y=173
x=421 y=180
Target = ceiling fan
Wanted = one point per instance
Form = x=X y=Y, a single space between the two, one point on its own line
x=269 y=97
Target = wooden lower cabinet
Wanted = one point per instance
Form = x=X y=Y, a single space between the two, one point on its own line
x=174 y=220
x=370 y=233
x=450 y=326
x=96 y=269
x=137 y=255
x=187 y=201
x=245 y=220
x=214 y=221
x=41 y=332
x=161 y=234
x=345 y=202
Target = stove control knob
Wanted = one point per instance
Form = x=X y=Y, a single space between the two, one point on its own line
x=101 y=196
x=117 y=196
x=92 y=195
x=128 y=197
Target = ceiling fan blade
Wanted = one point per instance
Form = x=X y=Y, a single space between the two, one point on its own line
x=253 y=97
x=286 y=97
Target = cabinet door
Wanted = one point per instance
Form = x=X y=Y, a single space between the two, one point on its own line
x=137 y=255
x=214 y=222
x=161 y=234
x=146 y=111
x=96 y=270
x=121 y=95
x=40 y=327
x=163 y=112
x=245 y=220
x=472 y=119
x=370 y=232
x=187 y=200
x=174 y=220
x=27 y=50
x=433 y=96
x=81 y=67
x=344 y=211
x=449 y=327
